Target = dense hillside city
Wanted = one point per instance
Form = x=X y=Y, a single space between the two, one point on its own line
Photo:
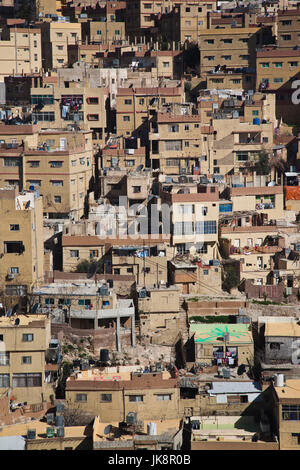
x=150 y=226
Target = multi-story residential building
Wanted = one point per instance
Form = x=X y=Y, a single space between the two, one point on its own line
x=20 y=50
x=278 y=71
x=288 y=29
x=186 y=20
x=177 y=141
x=134 y=105
x=56 y=162
x=22 y=251
x=284 y=407
x=56 y=36
x=231 y=47
x=114 y=393
x=194 y=220
x=75 y=103
x=25 y=341
x=87 y=305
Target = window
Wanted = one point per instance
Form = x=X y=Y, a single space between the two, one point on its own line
x=93 y=100
x=186 y=144
x=164 y=397
x=56 y=164
x=94 y=253
x=265 y=65
x=278 y=65
x=293 y=64
x=59 y=35
x=27 y=337
x=187 y=23
x=172 y=145
x=210 y=57
x=290 y=412
x=136 y=189
x=14 y=247
x=244 y=57
x=204 y=210
x=210 y=41
x=275 y=346
x=82 y=161
x=117 y=32
x=242 y=156
x=8 y=161
x=34 y=164
x=141 y=101
x=226 y=57
x=255 y=113
x=99 y=32
x=14 y=270
x=93 y=117
x=127 y=101
x=227 y=41
x=136 y=398
x=4 y=359
x=206 y=227
x=44 y=99
x=278 y=80
x=81 y=397
x=27 y=380
x=286 y=22
x=184 y=228
x=4 y=380
x=173 y=128
x=73 y=163
x=14 y=227
x=46 y=116
x=106 y=397
x=186 y=209
x=186 y=127
x=166 y=64
x=74 y=253
x=26 y=360
x=286 y=37
x=187 y=10
x=57 y=183
x=126 y=118
x=265 y=140
x=236 y=81
x=60 y=48
x=57 y=199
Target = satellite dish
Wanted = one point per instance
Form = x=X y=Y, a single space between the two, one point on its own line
x=107 y=429
x=140 y=167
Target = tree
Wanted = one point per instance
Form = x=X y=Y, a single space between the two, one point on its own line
x=262 y=166
x=74 y=416
x=90 y=267
x=231 y=279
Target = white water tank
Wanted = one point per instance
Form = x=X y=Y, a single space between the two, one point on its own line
x=152 y=429
x=279 y=380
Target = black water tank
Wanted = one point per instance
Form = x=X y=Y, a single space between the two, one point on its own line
x=104 y=355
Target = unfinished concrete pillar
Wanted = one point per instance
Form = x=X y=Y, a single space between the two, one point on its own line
x=118 y=335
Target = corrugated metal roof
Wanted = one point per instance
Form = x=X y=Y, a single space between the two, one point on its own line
x=234 y=387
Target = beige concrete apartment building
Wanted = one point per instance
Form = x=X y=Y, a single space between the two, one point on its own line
x=177 y=142
x=230 y=47
x=56 y=36
x=22 y=250
x=112 y=394
x=59 y=164
x=71 y=103
x=24 y=375
x=134 y=104
x=194 y=220
x=20 y=51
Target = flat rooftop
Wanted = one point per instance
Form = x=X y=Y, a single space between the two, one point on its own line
x=210 y=332
x=291 y=389
x=77 y=288
x=21 y=429
x=25 y=320
x=168 y=427
x=282 y=329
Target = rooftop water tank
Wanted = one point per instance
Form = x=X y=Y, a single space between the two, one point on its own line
x=279 y=380
x=256 y=121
